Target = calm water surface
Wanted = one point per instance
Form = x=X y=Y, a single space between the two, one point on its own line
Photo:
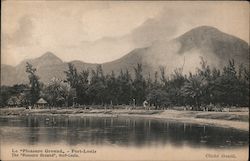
x=126 y=132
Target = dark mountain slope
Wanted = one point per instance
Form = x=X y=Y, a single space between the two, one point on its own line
x=184 y=51
x=211 y=40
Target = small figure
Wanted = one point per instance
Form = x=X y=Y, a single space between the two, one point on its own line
x=145 y=103
x=133 y=103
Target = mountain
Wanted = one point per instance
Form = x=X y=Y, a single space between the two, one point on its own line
x=184 y=51
x=128 y=62
x=212 y=41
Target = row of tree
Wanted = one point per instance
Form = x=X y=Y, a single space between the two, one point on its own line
x=227 y=87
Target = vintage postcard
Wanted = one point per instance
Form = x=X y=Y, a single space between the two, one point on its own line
x=124 y=80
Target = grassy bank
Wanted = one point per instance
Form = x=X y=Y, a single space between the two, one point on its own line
x=238 y=120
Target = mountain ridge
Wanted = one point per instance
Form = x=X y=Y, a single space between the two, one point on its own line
x=208 y=42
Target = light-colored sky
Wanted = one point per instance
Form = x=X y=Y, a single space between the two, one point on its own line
x=104 y=31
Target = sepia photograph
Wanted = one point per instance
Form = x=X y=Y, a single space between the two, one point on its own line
x=124 y=80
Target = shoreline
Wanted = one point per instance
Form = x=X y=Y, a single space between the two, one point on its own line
x=236 y=120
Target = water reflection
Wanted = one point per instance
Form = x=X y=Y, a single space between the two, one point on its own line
x=117 y=131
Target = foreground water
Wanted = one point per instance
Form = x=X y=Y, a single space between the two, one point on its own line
x=122 y=136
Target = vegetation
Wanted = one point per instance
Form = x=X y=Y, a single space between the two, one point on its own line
x=34 y=84
x=206 y=87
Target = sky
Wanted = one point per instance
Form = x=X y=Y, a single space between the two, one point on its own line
x=100 y=31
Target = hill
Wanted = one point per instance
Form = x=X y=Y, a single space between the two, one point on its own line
x=184 y=51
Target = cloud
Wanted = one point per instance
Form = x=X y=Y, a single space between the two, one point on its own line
x=21 y=38
x=23 y=35
x=104 y=31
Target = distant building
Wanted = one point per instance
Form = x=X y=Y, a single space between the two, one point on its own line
x=13 y=101
x=41 y=103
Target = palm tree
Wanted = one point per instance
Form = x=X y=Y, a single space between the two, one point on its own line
x=57 y=91
x=194 y=88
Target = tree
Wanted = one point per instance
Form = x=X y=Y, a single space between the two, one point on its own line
x=34 y=83
x=83 y=86
x=125 y=87
x=97 y=86
x=72 y=75
x=112 y=89
x=156 y=93
x=233 y=88
x=17 y=90
x=206 y=73
x=173 y=87
x=158 y=97
x=75 y=81
x=244 y=86
x=139 y=85
x=207 y=85
x=194 y=88
x=57 y=92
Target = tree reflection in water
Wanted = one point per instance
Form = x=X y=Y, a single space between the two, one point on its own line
x=118 y=131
